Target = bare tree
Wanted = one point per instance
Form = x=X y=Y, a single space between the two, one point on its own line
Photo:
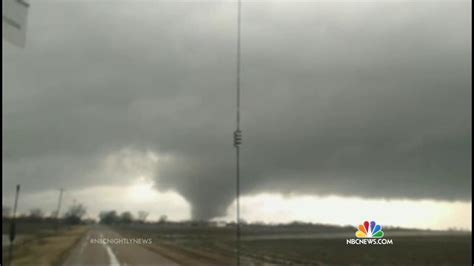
x=126 y=217
x=75 y=213
x=108 y=217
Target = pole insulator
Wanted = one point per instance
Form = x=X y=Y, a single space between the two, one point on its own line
x=237 y=137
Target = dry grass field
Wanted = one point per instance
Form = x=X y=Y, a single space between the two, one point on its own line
x=45 y=247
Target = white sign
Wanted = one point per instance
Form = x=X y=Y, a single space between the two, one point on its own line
x=14 y=17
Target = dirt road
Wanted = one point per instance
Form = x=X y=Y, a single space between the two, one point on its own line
x=102 y=246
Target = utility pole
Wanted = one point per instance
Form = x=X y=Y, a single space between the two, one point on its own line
x=59 y=207
x=14 y=21
x=12 y=226
x=238 y=135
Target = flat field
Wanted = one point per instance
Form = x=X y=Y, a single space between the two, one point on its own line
x=268 y=245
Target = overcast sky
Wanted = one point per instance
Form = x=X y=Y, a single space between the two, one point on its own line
x=358 y=99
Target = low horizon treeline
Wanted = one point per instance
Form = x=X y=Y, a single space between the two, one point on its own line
x=76 y=212
x=73 y=215
x=126 y=217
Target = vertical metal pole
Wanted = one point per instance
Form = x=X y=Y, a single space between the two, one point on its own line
x=237 y=134
x=238 y=204
x=12 y=226
x=59 y=207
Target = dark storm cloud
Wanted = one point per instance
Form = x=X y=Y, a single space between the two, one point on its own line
x=345 y=98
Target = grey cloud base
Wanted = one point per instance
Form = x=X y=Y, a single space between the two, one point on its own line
x=369 y=100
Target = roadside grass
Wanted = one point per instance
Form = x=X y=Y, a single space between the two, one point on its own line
x=45 y=248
